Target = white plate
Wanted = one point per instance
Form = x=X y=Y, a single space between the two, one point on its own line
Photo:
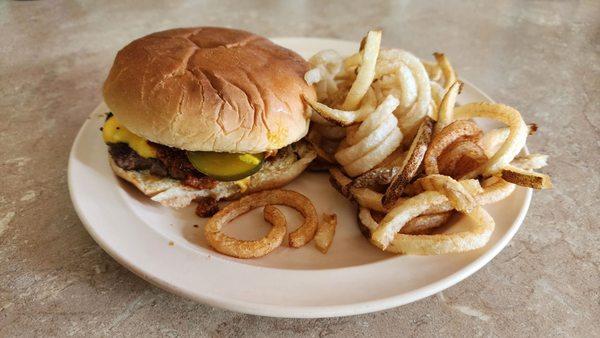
x=162 y=245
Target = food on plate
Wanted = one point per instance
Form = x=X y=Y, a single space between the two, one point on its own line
x=461 y=157
x=374 y=140
x=446 y=68
x=446 y=106
x=207 y=113
x=249 y=249
x=453 y=132
x=408 y=156
x=525 y=178
x=411 y=164
x=325 y=232
x=513 y=144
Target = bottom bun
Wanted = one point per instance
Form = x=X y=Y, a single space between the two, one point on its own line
x=287 y=165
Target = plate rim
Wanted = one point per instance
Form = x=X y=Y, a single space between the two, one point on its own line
x=302 y=311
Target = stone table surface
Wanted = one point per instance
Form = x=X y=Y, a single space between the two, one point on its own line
x=539 y=56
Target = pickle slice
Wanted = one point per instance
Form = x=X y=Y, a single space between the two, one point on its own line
x=225 y=166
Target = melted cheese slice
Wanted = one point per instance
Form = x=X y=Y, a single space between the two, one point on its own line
x=115 y=132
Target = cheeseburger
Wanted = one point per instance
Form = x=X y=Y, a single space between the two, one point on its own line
x=206 y=114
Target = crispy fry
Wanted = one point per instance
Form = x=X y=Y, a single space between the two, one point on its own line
x=446 y=109
x=493 y=139
x=514 y=142
x=401 y=214
x=372 y=132
x=394 y=159
x=246 y=249
x=345 y=117
x=447 y=70
x=340 y=182
x=325 y=232
x=451 y=133
x=375 y=177
x=461 y=157
x=370 y=160
x=459 y=197
x=420 y=225
x=366 y=71
x=525 y=178
x=237 y=248
x=476 y=236
x=411 y=164
x=368 y=198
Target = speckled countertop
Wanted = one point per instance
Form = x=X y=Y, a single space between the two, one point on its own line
x=541 y=57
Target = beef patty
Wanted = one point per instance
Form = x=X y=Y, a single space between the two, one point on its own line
x=170 y=162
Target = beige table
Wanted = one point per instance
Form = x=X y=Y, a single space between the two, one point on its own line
x=541 y=57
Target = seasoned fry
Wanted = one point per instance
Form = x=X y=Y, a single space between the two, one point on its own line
x=340 y=182
x=411 y=164
x=420 y=225
x=246 y=249
x=461 y=157
x=325 y=232
x=525 y=178
x=238 y=248
x=375 y=177
x=451 y=133
x=384 y=103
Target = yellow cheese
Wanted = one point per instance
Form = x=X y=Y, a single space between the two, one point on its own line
x=243 y=183
x=114 y=132
x=250 y=159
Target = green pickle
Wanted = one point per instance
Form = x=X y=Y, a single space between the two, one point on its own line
x=225 y=166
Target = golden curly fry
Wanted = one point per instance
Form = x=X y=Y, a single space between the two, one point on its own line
x=247 y=249
x=514 y=142
x=460 y=158
x=476 y=236
x=401 y=214
x=456 y=193
x=451 y=133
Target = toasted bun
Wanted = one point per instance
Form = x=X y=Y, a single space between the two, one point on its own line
x=210 y=89
x=274 y=174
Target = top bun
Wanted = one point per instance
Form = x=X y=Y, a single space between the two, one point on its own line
x=210 y=89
